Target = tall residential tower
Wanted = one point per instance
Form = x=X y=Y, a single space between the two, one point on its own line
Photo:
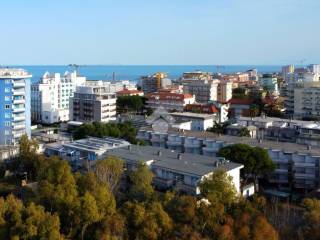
x=15 y=119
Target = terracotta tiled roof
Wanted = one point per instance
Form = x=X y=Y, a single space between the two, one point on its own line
x=241 y=101
x=127 y=91
x=204 y=108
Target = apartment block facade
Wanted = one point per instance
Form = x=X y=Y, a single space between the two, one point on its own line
x=50 y=97
x=93 y=103
x=15 y=99
x=297 y=166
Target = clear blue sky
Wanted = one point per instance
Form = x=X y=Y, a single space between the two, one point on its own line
x=159 y=31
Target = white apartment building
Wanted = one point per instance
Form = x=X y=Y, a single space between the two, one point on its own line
x=93 y=103
x=50 y=97
x=112 y=86
x=270 y=83
x=204 y=90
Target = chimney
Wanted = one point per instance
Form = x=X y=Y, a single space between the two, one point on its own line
x=129 y=148
x=309 y=147
x=179 y=156
x=159 y=153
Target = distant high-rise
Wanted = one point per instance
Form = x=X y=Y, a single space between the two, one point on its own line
x=154 y=83
x=15 y=119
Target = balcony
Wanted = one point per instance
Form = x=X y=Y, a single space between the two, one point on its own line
x=18 y=126
x=18 y=93
x=304 y=165
x=304 y=176
x=19 y=101
x=18 y=84
x=18 y=118
x=18 y=110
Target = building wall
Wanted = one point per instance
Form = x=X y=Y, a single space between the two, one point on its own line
x=15 y=99
x=294 y=169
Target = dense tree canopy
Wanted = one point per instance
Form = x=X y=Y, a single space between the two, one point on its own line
x=98 y=129
x=256 y=160
x=130 y=104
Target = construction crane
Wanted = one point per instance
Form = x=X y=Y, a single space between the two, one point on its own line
x=218 y=67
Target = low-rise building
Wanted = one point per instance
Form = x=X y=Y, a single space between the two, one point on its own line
x=240 y=107
x=199 y=121
x=296 y=165
x=177 y=171
x=82 y=152
x=169 y=101
x=8 y=152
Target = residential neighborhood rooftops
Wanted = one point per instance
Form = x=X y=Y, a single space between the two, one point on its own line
x=267 y=144
x=168 y=159
x=192 y=115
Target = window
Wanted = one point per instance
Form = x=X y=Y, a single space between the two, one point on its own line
x=7 y=90
x=7 y=106
x=8 y=81
x=7 y=98
x=7 y=124
x=6 y=132
x=7 y=115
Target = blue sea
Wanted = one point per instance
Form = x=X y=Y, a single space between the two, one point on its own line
x=133 y=73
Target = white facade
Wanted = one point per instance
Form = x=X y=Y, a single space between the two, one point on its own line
x=270 y=83
x=199 y=122
x=50 y=97
x=204 y=90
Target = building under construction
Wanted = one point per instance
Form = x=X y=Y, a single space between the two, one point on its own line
x=155 y=82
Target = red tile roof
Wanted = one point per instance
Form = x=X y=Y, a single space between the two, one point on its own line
x=204 y=108
x=239 y=101
x=127 y=91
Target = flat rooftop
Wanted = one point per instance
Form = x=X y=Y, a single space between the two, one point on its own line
x=189 y=163
x=267 y=144
x=91 y=144
x=6 y=148
x=192 y=115
x=14 y=73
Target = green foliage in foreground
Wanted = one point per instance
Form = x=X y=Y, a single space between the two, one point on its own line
x=93 y=206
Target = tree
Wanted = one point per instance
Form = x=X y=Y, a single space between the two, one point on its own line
x=239 y=93
x=109 y=171
x=89 y=212
x=262 y=230
x=148 y=221
x=31 y=222
x=244 y=132
x=256 y=160
x=58 y=192
x=28 y=158
x=140 y=183
x=311 y=218
x=219 y=187
x=130 y=103
x=218 y=128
